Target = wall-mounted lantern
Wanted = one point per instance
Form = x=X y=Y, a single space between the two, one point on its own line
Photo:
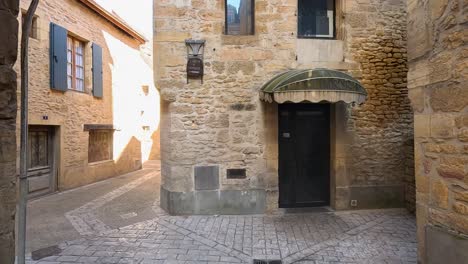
x=195 y=50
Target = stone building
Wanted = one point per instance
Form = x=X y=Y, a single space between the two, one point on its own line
x=437 y=82
x=302 y=103
x=8 y=54
x=92 y=110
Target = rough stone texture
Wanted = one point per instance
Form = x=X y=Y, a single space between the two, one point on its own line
x=226 y=202
x=439 y=95
x=223 y=122
x=128 y=102
x=8 y=86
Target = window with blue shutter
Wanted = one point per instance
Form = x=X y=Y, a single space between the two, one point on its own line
x=97 y=71
x=58 y=57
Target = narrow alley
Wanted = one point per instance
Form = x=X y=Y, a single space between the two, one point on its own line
x=119 y=221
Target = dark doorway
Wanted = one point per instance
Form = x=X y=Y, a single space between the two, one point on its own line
x=41 y=162
x=304 y=155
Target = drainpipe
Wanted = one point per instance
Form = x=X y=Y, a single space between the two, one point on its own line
x=23 y=178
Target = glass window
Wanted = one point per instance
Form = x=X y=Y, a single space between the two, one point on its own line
x=316 y=19
x=75 y=65
x=240 y=17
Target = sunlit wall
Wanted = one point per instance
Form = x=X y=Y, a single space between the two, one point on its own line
x=135 y=99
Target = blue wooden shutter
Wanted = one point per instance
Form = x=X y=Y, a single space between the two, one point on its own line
x=58 y=57
x=97 y=71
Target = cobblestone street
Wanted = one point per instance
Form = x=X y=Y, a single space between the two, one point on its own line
x=374 y=236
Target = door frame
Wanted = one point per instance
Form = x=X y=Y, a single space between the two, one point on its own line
x=331 y=164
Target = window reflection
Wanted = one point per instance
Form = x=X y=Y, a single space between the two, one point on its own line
x=316 y=18
x=240 y=17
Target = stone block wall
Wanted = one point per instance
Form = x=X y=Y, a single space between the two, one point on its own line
x=223 y=123
x=438 y=75
x=8 y=104
x=129 y=101
x=380 y=151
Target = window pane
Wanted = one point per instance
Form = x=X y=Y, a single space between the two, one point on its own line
x=79 y=47
x=69 y=56
x=316 y=18
x=79 y=60
x=240 y=17
x=69 y=82
x=79 y=72
x=69 y=69
x=78 y=85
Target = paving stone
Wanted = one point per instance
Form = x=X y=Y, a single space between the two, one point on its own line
x=372 y=236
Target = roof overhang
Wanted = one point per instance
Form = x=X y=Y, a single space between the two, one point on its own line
x=313 y=85
x=116 y=21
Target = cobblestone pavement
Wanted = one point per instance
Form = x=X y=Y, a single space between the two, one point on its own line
x=374 y=236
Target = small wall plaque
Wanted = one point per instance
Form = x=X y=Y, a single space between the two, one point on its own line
x=195 y=65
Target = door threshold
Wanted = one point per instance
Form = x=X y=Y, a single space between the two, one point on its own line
x=306 y=210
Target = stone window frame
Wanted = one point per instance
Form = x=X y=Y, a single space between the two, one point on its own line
x=335 y=22
x=252 y=29
x=92 y=132
x=84 y=46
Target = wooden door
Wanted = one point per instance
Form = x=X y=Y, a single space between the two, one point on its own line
x=41 y=167
x=304 y=155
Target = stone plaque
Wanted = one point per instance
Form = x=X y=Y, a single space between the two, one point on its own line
x=206 y=178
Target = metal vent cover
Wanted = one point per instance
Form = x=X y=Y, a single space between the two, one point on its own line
x=262 y=261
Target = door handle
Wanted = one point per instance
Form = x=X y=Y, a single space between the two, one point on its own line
x=286 y=135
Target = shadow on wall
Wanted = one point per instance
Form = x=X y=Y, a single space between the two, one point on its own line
x=155 y=153
x=130 y=157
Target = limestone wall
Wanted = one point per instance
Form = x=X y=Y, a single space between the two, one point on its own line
x=125 y=104
x=8 y=54
x=380 y=152
x=438 y=90
x=223 y=122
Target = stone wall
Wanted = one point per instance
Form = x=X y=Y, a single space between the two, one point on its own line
x=125 y=104
x=382 y=137
x=222 y=121
x=438 y=75
x=8 y=86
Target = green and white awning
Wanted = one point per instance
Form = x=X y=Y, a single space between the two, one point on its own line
x=313 y=85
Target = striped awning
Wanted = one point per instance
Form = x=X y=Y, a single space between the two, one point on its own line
x=313 y=85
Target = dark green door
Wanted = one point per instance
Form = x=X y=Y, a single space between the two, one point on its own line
x=304 y=155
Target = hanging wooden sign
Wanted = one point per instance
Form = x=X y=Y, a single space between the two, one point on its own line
x=195 y=68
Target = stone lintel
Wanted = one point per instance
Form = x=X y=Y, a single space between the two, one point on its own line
x=88 y=127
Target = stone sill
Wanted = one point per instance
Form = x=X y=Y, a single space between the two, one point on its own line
x=239 y=39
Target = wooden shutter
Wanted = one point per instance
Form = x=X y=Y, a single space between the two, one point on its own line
x=97 y=71
x=58 y=58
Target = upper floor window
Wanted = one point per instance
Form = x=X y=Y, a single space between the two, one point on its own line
x=75 y=64
x=316 y=19
x=240 y=17
x=68 y=57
